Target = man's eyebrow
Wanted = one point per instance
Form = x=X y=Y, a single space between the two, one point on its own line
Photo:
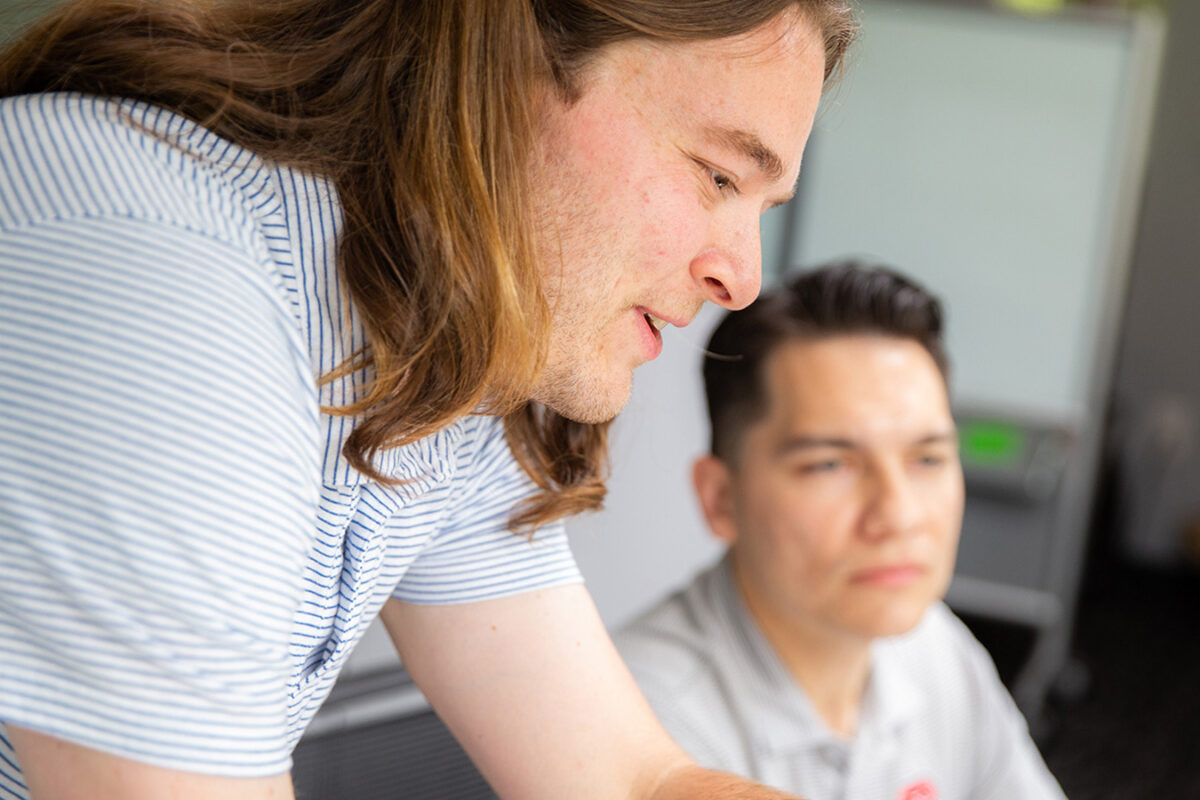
x=795 y=443
x=799 y=443
x=943 y=437
x=749 y=145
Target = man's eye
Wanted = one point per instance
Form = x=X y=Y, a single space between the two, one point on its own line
x=722 y=181
x=816 y=467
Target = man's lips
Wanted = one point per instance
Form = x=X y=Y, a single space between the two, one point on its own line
x=659 y=320
x=653 y=323
x=888 y=574
x=650 y=337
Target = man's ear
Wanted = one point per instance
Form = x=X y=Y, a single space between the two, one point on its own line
x=713 y=481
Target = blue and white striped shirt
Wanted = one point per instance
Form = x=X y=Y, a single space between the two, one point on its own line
x=186 y=558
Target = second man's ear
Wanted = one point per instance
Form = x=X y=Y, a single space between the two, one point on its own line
x=713 y=482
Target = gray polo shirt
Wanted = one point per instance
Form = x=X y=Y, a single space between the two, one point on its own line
x=936 y=723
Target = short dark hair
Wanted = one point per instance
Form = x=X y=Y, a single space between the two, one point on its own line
x=840 y=298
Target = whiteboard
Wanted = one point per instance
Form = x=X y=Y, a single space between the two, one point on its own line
x=982 y=153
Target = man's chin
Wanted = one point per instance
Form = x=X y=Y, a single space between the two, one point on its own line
x=590 y=405
x=900 y=618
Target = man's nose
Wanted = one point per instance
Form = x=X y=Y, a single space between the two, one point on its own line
x=893 y=505
x=730 y=273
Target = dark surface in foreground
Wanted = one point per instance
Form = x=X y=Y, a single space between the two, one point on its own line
x=1131 y=728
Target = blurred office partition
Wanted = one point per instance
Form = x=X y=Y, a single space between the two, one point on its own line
x=998 y=159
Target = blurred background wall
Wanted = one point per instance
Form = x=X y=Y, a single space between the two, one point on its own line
x=1156 y=395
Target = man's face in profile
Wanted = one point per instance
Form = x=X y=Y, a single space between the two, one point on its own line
x=650 y=189
x=845 y=505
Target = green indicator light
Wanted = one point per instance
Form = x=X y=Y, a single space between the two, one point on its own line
x=991 y=443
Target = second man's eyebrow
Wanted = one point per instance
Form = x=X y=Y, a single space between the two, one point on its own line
x=749 y=145
x=947 y=437
x=794 y=443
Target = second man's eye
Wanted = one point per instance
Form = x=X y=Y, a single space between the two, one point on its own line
x=933 y=462
x=817 y=467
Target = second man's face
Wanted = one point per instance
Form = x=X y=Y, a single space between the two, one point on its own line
x=650 y=188
x=847 y=501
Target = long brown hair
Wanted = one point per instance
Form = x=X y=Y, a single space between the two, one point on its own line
x=422 y=114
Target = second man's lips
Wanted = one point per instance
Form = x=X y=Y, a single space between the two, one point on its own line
x=883 y=570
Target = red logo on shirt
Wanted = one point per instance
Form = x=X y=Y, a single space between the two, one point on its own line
x=921 y=790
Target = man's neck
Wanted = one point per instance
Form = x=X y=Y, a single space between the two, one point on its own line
x=832 y=667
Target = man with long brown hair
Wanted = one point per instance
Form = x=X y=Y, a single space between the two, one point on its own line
x=316 y=311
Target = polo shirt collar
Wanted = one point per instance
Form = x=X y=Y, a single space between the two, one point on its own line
x=784 y=718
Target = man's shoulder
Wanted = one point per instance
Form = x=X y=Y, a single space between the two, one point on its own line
x=966 y=710
x=683 y=659
x=84 y=156
x=939 y=628
x=670 y=645
x=943 y=657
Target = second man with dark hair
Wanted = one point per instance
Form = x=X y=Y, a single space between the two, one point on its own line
x=817 y=656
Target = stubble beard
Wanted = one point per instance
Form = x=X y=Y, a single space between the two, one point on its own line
x=576 y=381
x=579 y=395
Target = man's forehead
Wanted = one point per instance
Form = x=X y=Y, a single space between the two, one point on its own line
x=841 y=355
x=855 y=388
x=786 y=33
x=721 y=89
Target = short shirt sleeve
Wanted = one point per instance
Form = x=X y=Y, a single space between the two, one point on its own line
x=158 y=486
x=474 y=555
